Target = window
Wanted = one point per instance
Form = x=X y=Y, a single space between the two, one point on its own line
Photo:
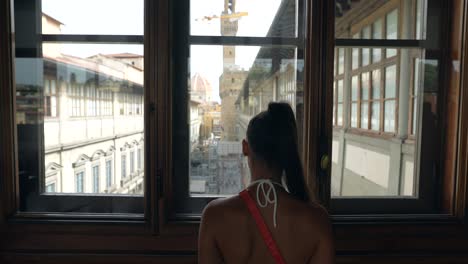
x=92 y=100
x=354 y=100
x=107 y=103
x=266 y=63
x=96 y=179
x=364 y=120
x=413 y=100
x=123 y=166
x=139 y=160
x=50 y=98
x=109 y=174
x=132 y=162
x=377 y=153
x=79 y=182
x=82 y=68
x=375 y=102
x=338 y=88
x=50 y=188
x=77 y=99
x=173 y=194
x=392 y=30
x=390 y=95
x=377 y=34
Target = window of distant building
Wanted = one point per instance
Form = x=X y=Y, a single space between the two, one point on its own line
x=79 y=182
x=132 y=161
x=50 y=188
x=95 y=179
x=108 y=173
x=139 y=158
x=106 y=102
x=76 y=94
x=123 y=167
x=50 y=98
x=91 y=99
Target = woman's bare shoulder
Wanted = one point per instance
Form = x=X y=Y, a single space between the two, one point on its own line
x=311 y=215
x=222 y=207
x=320 y=219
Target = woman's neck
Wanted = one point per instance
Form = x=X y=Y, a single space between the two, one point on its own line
x=261 y=171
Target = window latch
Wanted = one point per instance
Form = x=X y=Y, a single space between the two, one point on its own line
x=324 y=162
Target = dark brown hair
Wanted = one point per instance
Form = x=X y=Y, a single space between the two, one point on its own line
x=272 y=137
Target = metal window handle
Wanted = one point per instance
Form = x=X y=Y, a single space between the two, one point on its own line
x=324 y=162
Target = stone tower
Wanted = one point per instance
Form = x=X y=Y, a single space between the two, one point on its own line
x=232 y=79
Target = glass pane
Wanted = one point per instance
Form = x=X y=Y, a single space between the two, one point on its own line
x=354 y=115
x=377 y=165
x=335 y=70
x=340 y=91
x=244 y=18
x=365 y=56
x=376 y=55
x=355 y=62
x=356 y=15
x=392 y=24
x=390 y=53
x=340 y=114
x=389 y=124
x=81 y=148
x=223 y=98
x=375 y=123
x=109 y=17
x=420 y=6
x=415 y=116
x=366 y=34
x=377 y=29
x=341 y=61
x=354 y=88
x=390 y=82
x=376 y=84
x=377 y=34
x=334 y=103
x=365 y=86
x=364 y=115
x=367 y=165
x=416 y=77
x=414 y=100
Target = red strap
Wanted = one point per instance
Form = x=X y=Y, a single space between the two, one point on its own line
x=262 y=227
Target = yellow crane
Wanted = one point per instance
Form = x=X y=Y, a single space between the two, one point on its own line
x=232 y=16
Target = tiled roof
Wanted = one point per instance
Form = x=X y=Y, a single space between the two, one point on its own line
x=53 y=19
x=123 y=55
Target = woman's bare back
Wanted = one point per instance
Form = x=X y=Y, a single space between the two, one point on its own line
x=228 y=232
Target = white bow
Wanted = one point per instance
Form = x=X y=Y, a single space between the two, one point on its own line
x=266 y=194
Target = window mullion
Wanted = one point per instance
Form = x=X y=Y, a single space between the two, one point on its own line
x=104 y=39
x=244 y=41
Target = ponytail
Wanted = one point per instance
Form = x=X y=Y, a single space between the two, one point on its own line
x=272 y=136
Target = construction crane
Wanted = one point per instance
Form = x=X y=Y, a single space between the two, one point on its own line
x=231 y=17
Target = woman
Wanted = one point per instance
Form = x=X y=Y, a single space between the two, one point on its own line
x=268 y=223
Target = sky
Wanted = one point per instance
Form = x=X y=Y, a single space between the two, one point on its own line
x=125 y=17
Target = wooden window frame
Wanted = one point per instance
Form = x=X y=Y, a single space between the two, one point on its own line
x=158 y=238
